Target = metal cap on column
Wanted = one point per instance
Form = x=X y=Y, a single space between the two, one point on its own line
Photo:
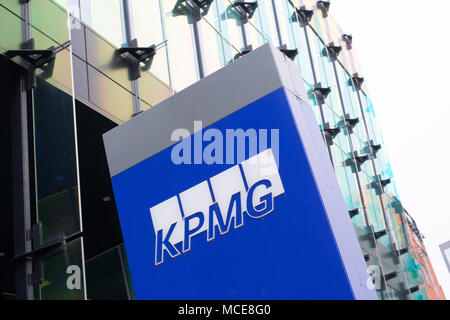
x=348 y=40
x=323 y=6
x=304 y=16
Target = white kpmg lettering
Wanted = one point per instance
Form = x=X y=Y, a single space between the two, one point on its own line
x=216 y=205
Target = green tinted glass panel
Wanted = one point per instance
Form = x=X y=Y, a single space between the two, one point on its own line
x=127 y=271
x=63 y=274
x=51 y=19
x=177 y=23
x=57 y=187
x=105 y=277
x=10 y=30
x=212 y=47
x=226 y=19
x=13 y=5
x=105 y=18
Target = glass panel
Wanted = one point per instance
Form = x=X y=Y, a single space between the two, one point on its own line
x=105 y=17
x=147 y=22
x=294 y=36
x=57 y=72
x=373 y=204
x=105 y=277
x=348 y=184
x=177 y=23
x=152 y=90
x=263 y=20
x=348 y=95
x=61 y=273
x=50 y=19
x=412 y=270
x=10 y=30
x=148 y=31
x=212 y=47
x=255 y=37
x=14 y=6
x=57 y=188
x=56 y=174
x=112 y=99
x=226 y=21
x=325 y=71
x=396 y=225
x=103 y=56
x=127 y=272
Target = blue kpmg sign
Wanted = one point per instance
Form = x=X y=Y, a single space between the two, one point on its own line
x=239 y=225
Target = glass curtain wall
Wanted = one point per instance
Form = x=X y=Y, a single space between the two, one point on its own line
x=56 y=168
x=189 y=47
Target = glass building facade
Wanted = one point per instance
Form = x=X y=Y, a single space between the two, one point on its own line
x=74 y=69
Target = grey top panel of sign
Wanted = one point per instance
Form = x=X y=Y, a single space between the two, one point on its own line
x=231 y=88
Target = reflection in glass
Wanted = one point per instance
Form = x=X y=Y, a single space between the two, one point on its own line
x=212 y=47
x=177 y=23
x=147 y=22
x=105 y=277
x=62 y=272
x=104 y=17
x=56 y=173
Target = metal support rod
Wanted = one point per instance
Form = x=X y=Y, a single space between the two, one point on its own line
x=128 y=30
x=391 y=240
x=21 y=176
x=277 y=24
x=22 y=198
x=196 y=33
x=313 y=71
x=352 y=150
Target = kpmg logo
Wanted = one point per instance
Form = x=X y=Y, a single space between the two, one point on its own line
x=219 y=203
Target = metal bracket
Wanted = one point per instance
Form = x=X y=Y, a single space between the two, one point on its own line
x=330 y=133
x=136 y=55
x=139 y=53
x=375 y=147
x=321 y=93
x=361 y=159
x=323 y=6
x=357 y=81
x=203 y=3
x=290 y=53
x=248 y=8
x=348 y=39
x=243 y=52
x=411 y=290
x=350 y=123
x=43 y=59
x=304 y=16
x=380 y=233
x=199 y=7
x=379 y=185
x=353 y=212
x=40 y=252
x=332 y=51
x=385 y=182
x=368 y=236
x=391 y=275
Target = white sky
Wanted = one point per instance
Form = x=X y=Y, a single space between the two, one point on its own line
x=404 y=48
